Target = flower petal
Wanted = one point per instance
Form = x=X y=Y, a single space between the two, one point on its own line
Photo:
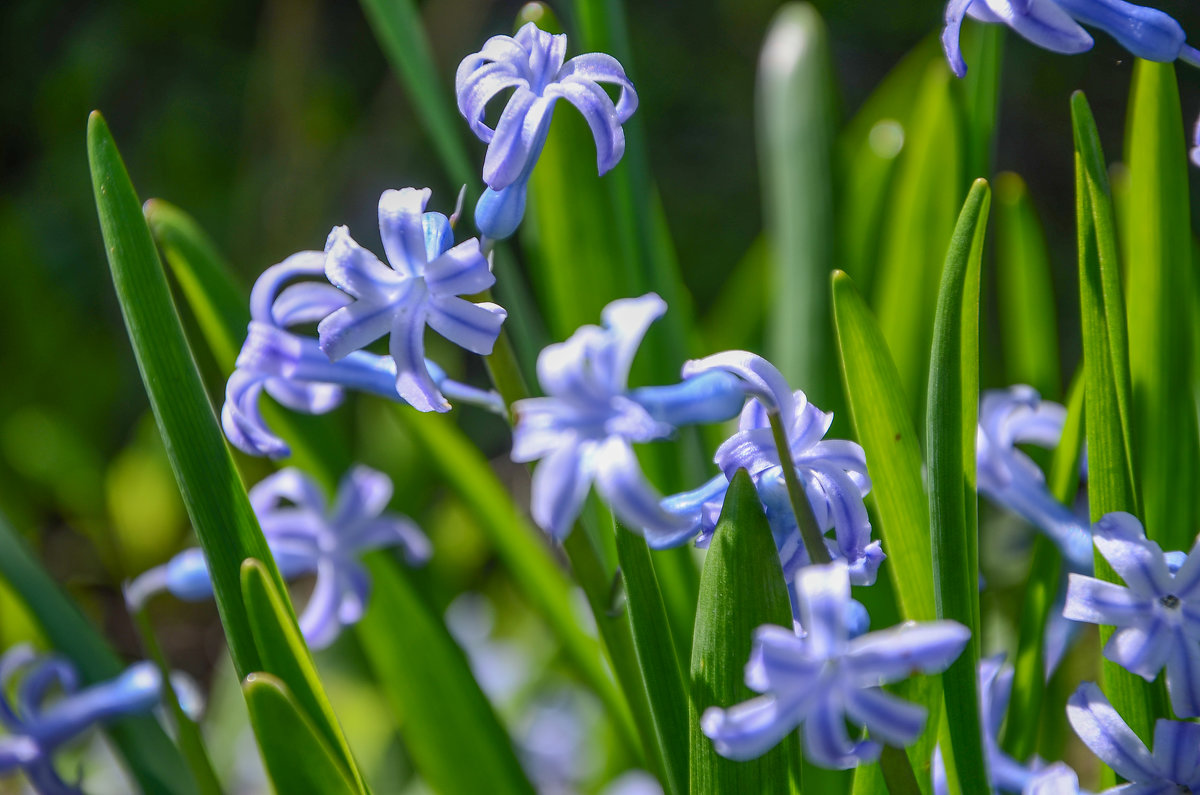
x=1120 y=538
x=268 y=285
x=824 y=592
x=1183 y=676
x=1099 y=602
x=889 y=718
x=619 y=480
x=603 y=68
x=402 y=229
x=363 y=493
x=1103 y=731
x=560 y=485
x=1046 y=24
x=477 y=83
x=601 y=116
x=750 y=729
x=955 y=10
x=1146 y=32
x=290 y=484
x=1142 y=649
x=763 y=380
x=1177 y=750
x=626 y=321
x=462 y=270
x=471 y=326
x=892 y=654
x=519 y=137
x=407 y=347
x=828 y=745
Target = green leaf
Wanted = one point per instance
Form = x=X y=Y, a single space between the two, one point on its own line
x=401 y=33
x=520 y=546
x=281 y=647
x=296 y=755
x=1159 y=257
x=212 y=489
x=1111 y=486
x=950 y=436
x=153 y=759
x=656 y=658
x=447 y=722
x=1028 y=324
x=919 y=219
x=795 y=122
x=741 y=588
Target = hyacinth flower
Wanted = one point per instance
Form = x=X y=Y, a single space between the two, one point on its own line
x=1008 y=477
x=583 y=430
x=832 y=472
x=532 y=64
x=42 y=708
x=1174 y=765
x=428 y=273
x=307 y=536
x=822 y=678
x=1157 y=612
x=1054 y=25
x=1006 y=774
x=294 y=370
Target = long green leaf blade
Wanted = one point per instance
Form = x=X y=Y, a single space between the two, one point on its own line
x=1159 y=258
x=282 y=648
x=295 y=754
x=153 y=759
x=657 y=658
x=212 y=489
x=741 y=588
x=1111 y=486
x=447 y=723
x=950 y=432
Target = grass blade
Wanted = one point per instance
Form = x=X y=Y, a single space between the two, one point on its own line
x=295 y=754
x=795 y=141
x=741 y=588
x=153 y=759
x=1159 y=257
x=212 y=489
x=950 y=435
x=1111 y=486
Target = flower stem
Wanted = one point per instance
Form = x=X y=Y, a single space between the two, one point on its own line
x=810 y=533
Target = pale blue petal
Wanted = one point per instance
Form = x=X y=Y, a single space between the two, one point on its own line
x=355 y=326
x=780 y=662
x=752 y=450
x=824 y=592
x=1146 y=32
x=17 y=752
x=601 y=116
x=888 y=718
x=1177 y=751
x=560 y=485
x=1141 y=649
x=709 y=398
x=474 y=327
x=137 y=690
x=1183 y=676
x=1057 y=779
x=619 y=480
x=955 y=10
x=439 y=234
x=353 y=269
x=391 y=531
x=499 y=213
x=763 y=380
x=518 y=140
x=476 y=84
x=1187 y=575
x=243 y=423
x=271 y=282
x=827 y=744
x=363 y=493
x=307 y=302
x=407 y=347
x=1120 y=538
x=1099 y=602
x=1046 y=24
x=627 y=320
x=318 y=622
x=402 y=229
x=1103 y=731
x=546 y=52
x=750 y=729
x=893 y=654
x=289 y=484
x=462 y=270
x=603 y=68
x=187 y=576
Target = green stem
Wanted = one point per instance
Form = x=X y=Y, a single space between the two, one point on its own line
x=810 y=532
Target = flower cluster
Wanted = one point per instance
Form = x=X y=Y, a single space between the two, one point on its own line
x=38 y=723
x=308 y=536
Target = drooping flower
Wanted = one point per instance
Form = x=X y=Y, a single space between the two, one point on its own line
x=531 y=63
x=1054 y=24
x=833 y=472
x=822 y=679
x=1157 y=612
x=582 y=431
x=38 y=722
x=1009 y=477
x=307 y=536
x=427 y=275
x=1173 y=767
x=295 y=371
x=1005 y=773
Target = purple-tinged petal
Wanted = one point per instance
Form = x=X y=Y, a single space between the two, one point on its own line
x=1046 y=24
x=601 y=116
x=17 y=752
x=518 y=140
x=827 y=744
x=402 y=229
x=1103 y=731
x=779 y=661
x=560 y=485
x=272 y=280
x=51 y=672
x=354 y=585
x=353 y=269
x=1099 y=602
x=477 y=84
x=763 y=380
x=955 y=10
x=1141 y=649
x=889 y=718
x=1146 y=32
x=136 y=690
x=603 y=68
x=892 y=654
x=1177 y=750
x=824 y=592
x=407 y=346
x=752 y=450
x=291 y=485
x=1057 y=779
x=307 y=302
x=545 y=50
x=318 y=621
x=752 y=728
x=363 y=493
x=474 y=327
x=462 y=270
x=1187 y=576
x=627 y=320
x=619 y=480
x=187 y=576
x=243 y=423
x=391 y=531
x=355 y=326
x=1183 y=676
x=439 y=230
x=1122 y=541
x=690 y=505
x=712 y=397
x=809 y=424
x=499 y=213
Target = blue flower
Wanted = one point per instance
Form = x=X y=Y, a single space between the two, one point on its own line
x=833 y=472
x=422 y=286
x=295 y=371
x=307 y=536
x=1157 y=615
x=1173 y=767
x=583 y=429
x=38 y=725
x=1054 y=25
x=1007 y=476
x=532 y=64
x=822 y=679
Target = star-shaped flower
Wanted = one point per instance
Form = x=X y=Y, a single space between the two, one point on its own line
x=1054 y=24
x=1172 y=769
x=1157 y=613
x=833 y=472
x=422 y=286
x=38 y=724
x=307 y=536
x=822 y=679
x=583 y=429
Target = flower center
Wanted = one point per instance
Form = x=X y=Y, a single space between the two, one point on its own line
x=1170 y=601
